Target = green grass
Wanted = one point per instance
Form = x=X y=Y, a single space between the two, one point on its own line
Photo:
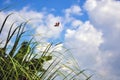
x=22 y=62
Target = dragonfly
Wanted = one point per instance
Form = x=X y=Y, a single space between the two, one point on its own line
x=57 y=24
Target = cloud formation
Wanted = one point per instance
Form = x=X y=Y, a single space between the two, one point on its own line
x=73 y=10
x=84 y=42
x=104 y=15
x=41 y=23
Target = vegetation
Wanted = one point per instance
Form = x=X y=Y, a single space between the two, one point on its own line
x=21 y=61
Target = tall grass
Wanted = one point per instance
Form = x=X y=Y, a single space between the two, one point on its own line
x=23 y=62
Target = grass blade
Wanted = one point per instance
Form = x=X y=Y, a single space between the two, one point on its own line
x=4 y=23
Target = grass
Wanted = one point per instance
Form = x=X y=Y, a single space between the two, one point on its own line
x=22 y=62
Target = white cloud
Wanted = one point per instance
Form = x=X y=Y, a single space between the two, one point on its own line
x=96 y=43
x=86 y=33
x=104 y=12
x=76 y=23
x=85 y=42
x=90 y=4
x=42 y=22
x=104 y=15
x=73 y=10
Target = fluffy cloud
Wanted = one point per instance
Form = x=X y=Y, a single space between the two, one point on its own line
x=104 y=12
x=41 y=23
x=73 y=10
x=84 y=42
x=104 y=15
x=70 y=15
x=86 y=33
x=76 y=23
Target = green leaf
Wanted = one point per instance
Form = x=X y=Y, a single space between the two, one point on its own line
x=24 y=49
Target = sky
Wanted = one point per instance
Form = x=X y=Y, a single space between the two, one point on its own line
x=90 y=28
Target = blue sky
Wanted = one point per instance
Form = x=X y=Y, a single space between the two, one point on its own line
x=91 y=28
x=39 y=4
